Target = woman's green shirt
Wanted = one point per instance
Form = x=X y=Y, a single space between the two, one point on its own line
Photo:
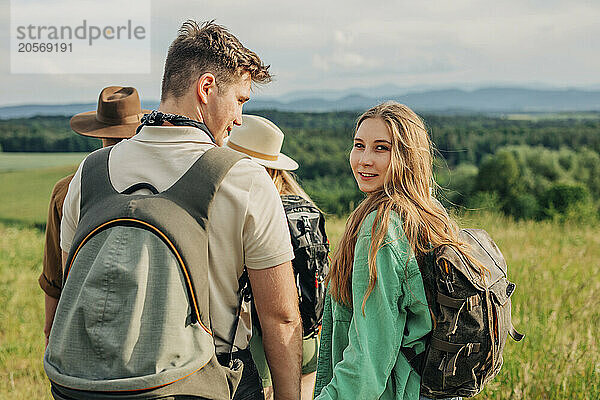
x=360 y=355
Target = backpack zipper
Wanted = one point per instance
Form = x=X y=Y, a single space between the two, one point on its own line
x=147 y=226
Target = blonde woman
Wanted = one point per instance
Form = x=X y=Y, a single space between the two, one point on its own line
x=376 y=302
x=261 y=139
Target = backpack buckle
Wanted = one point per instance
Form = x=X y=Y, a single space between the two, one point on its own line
x=449 y=285
x=469 y=349
x=472 y=302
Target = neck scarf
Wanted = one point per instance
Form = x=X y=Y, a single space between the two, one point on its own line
x=157 y=118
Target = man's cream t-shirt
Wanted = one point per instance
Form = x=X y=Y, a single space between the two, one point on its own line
x=246 y=220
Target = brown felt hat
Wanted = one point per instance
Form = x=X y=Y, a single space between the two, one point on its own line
x=118 y=115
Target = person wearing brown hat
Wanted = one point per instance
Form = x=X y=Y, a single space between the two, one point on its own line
x=118 y=115
x=116 y=118
x=208 y=75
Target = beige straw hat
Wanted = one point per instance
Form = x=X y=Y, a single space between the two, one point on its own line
x=261 y=139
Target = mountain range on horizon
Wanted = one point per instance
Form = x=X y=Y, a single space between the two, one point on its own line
x=482 y=100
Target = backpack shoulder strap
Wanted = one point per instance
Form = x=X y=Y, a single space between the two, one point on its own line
x=95 y=180
x=195 y=190
x=291 y=201
x=322 y=227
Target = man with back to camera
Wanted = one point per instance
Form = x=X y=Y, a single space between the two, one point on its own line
x=207 y=79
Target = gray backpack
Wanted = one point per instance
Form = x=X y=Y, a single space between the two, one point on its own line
x=471 y=315
x=133 y=316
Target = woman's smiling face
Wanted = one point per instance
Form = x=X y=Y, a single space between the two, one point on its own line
x=371 y=154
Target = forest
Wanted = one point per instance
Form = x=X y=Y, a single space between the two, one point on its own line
x=529 y=168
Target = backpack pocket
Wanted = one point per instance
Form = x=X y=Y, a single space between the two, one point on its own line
x=501 y=320
x=309 y=269
x=127 y=305
x=456 y=351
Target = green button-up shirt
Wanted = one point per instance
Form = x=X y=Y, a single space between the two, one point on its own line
x=360 y=355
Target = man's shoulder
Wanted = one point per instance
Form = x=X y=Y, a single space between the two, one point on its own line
x=248 y=171
x=81 y=164
x=246 y=164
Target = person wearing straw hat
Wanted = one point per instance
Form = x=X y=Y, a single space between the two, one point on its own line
x=261 y=139
x=117 y=116
x=208 y=77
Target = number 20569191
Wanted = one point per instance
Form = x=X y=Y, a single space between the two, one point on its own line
x=45 y=47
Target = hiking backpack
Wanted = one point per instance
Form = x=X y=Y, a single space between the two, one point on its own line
x=471 y=317
x=311 y=258
x=134 y=311
x=311 y=262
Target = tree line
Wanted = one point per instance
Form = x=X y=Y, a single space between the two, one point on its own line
x=532 y=169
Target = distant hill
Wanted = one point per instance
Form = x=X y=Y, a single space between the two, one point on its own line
x=485 y=100
x=481 y=100
x=30 y=110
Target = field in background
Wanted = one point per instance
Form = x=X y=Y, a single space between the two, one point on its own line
x=22 y=161
x=25 y=194
x=541 y=116
x=27 y=180
x=21 y=319
x=556 y=304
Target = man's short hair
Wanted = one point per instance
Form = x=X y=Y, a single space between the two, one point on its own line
x=208 y=48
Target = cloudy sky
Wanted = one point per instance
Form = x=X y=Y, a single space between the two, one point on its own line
x=340 y=44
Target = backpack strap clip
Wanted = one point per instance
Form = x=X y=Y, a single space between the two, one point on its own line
x=458 y=304
x=449 y=368
x=448 y=347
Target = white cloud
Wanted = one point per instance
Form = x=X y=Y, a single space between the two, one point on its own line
x=341 y=61
x=344 y=38
x=336 y=44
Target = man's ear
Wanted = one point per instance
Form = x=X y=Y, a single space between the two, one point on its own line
x=205 y=84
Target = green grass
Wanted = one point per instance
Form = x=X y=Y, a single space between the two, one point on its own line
x=25 y=194
x=542 y=116
x=556 y=304
x=24 y=161
x=27 y=180
x=21 y=318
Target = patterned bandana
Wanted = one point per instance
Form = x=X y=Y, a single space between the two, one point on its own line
x=157 y=118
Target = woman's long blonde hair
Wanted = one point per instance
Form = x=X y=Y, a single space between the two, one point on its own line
x=285 y=183
x=407 y=191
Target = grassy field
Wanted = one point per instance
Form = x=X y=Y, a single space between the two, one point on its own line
x=21 y=318
x=541 y=116
x=21 y=161
x=556 y=304
x=25 y=194
x=27 y=180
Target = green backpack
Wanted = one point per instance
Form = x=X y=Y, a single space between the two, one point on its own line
x=133 y=316
x=472 y=318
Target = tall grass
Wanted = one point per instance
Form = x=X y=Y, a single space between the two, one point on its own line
x=556 y=267
x=21 y=315
x=556 y=304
